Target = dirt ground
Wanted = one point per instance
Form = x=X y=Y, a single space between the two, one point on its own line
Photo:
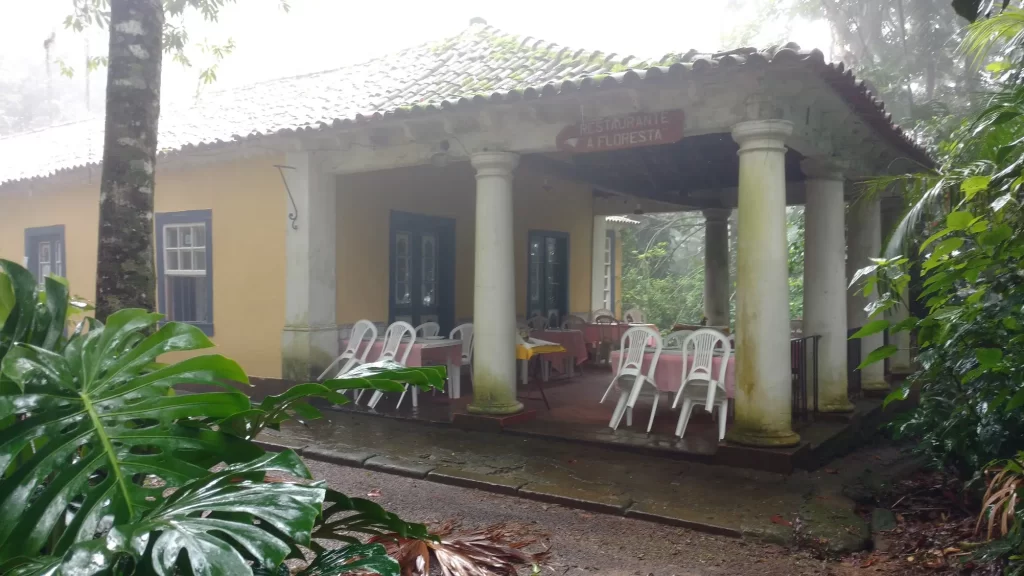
x=584 y=542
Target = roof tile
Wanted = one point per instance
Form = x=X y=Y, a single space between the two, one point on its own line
x=481 y=61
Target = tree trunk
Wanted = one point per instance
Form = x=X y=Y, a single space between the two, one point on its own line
x=124 y=274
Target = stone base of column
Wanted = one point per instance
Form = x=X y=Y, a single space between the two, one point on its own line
x=307 y=350
x=763 y=438
x=496 y=409
x=492 y=394
x=836 y=406
x=874 y=385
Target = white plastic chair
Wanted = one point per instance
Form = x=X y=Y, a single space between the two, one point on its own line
x=428 y=329
x=351 y=357
x=393 y=338
x=537 y=322
x=573 y=321
x=601 y=312
x=631 y=361
x=676 y=339
x=700 y=386
x=464 y=333
x=634 y=316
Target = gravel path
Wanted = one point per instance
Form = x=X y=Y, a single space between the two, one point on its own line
x=582 y=542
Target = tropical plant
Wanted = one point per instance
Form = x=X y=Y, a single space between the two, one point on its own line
x=107 y=468
x=963 y=241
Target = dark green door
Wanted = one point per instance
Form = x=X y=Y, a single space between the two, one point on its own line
x=548 y=275
x=422 y=277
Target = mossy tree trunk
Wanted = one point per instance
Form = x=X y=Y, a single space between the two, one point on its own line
x=125 y=276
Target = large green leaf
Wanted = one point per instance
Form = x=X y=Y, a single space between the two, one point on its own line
x=358 y=558
x=878 y=354
x=342 y=516
x=96 y=436
x=215 y=525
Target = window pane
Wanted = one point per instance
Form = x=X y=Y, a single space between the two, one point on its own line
x=199 y=237
x=44 y=252
x=429 y=267
x=172 y=260
x=185 y=259
x=44 y=271
x=199 y=259
x=171 y=234
x=402 y=244
x=56 y=252
x=185 y=234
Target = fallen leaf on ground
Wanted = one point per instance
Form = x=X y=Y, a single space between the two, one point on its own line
x=831 y=471
x=867 y=563
x=778 y=519
x=375 y=493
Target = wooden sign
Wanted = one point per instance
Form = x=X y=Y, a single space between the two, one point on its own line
x=620 y=132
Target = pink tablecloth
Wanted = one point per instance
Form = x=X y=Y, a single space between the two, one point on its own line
x=593 y=333
x=435 y=353
x=669 y=373
x=571 y=340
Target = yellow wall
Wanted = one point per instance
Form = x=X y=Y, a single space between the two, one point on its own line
x=366 y=200
x=247 y=203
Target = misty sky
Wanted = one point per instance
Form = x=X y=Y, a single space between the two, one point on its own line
x=325 y=34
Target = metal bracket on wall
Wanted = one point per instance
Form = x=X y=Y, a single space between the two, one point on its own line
x=294 y=215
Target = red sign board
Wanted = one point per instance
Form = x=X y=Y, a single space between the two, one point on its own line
x=620 y=132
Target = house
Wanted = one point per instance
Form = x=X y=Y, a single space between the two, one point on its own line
x=471 y=179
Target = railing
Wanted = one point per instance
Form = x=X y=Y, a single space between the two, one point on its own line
x=803 y=354
x=853 y=356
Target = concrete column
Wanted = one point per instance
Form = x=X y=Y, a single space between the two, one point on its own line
x=900 y=363
x=309 y=342
x=864 y=241
x=597 y=265
x=716 y=267
x=825 y=281
x=764 y=388
x=494 y=289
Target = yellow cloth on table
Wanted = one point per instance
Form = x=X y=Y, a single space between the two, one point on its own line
x=533 y=347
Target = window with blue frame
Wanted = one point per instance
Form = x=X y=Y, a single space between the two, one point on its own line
x=185 y=267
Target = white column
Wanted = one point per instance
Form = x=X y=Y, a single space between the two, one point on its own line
x=494 y=289
x=763 y=387
x=863 y=243
x=716 y=266
x=309 y=342
x=597 y=266
x=825 y=281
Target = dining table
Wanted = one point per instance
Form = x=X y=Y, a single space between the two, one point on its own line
x=429 y=352
x=594 y=332
x=575 y=348
x=531 y=347
x=668 y=374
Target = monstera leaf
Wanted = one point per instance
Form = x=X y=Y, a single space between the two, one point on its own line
x=88 y=422
x=215 y=525
x=386 y=376
x=30 y=315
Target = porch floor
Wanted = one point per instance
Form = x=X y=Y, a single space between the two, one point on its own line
x=576 y=414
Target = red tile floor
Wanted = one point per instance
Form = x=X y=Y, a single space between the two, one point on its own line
x=574 y=411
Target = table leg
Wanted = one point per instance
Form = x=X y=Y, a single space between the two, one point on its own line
x=545 y=369
x=525 y=367
x=454 y=379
